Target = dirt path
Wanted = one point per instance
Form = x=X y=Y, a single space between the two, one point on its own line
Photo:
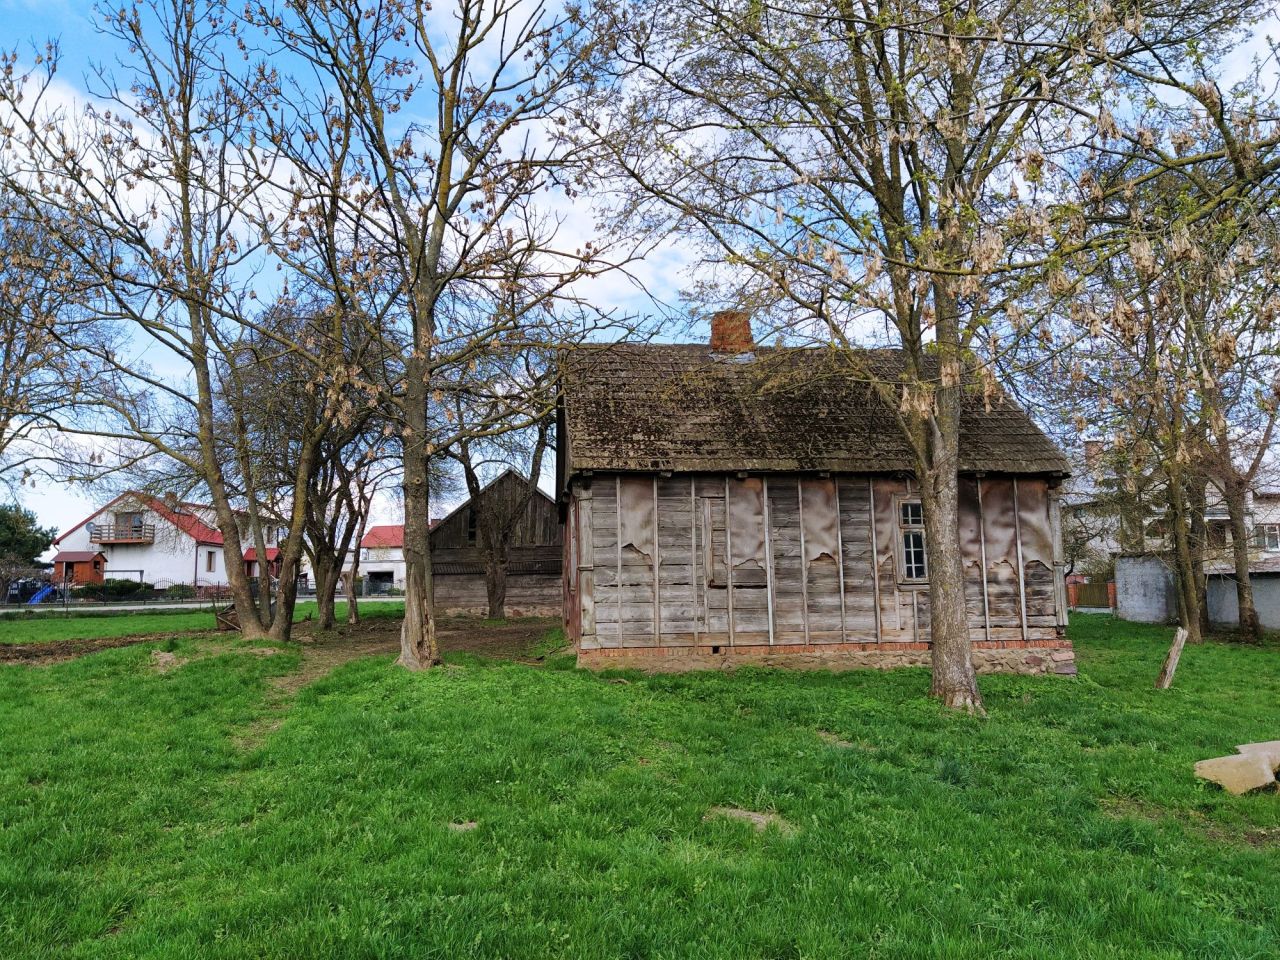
x=323 y=652
x=57 y=651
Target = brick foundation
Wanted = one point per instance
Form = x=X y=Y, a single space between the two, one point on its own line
x=1004 y=656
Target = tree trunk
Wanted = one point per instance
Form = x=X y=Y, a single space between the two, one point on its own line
x=1199 y=543
x=1184 y=570
x=495 y=582
x=327 y=576
x=1250 y=625
x=353 y=609
x=955 y=682
x=286 y=601
x=418 y=646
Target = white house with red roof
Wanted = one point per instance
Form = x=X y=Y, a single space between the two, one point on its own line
x=161 y=541
x=382 y=557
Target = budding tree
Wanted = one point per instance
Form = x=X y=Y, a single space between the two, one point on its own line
x=902 y=163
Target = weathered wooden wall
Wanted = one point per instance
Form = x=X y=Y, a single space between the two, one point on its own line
x=539 y=526
x=536 y=552
x=528 y=594
x=777 y=560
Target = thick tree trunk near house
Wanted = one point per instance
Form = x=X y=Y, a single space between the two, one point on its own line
x=418 y=646
x=936 y=434
x=495 y=582
x=327 y=577
x=1250 y=625
x=955 y=681
x=251 y=625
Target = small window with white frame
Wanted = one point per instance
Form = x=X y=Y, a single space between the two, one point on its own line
x=912 y=565
x=1267 y=536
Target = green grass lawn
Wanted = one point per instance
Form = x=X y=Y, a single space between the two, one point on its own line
x=195 y=814
x=47 y=626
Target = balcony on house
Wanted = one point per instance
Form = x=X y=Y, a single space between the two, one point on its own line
x=123 y=533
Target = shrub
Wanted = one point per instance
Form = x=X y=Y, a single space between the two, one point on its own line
x=116 y=590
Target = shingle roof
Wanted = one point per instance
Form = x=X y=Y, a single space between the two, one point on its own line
x=76 y=556
x=680 y=407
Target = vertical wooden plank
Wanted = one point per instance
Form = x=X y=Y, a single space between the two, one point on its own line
x=728 y=556
x=982 y=541
x=586 y=563
x=1022 y=572
x=657 y=555
x=1059 y=559
x=768 y=556
x=875 y=553
x=804 y=562
x=617 y=583
x=693 y=556
x=844 y=628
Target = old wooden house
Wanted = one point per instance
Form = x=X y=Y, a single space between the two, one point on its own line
x=533 y=586
x=727 y=504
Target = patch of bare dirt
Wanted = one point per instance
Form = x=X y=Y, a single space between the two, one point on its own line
x=162 y=661
x=761 y=821
x=1122 y=807
x=463 y=826
x=834 y=740
x=59 y=651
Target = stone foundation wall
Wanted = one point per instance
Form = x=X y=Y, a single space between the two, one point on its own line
x=1031 y=657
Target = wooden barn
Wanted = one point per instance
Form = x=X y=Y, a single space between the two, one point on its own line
x=536 y=548
x=738 y=504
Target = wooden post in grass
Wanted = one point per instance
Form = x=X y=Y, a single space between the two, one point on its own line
x=1171 y=661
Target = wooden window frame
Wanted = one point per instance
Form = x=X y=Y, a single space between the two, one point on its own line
x=210 y=561
x=900 y=548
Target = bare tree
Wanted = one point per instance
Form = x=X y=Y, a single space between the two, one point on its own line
x=435 y=132
x=498 y=518
x=41 y=311
x=142 y=188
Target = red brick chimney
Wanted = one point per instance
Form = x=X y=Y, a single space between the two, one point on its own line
x=731 y=332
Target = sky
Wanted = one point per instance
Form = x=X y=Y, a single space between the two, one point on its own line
x=24 y=23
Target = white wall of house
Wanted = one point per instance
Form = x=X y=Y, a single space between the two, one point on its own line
x=174 y=556
x=383 y=561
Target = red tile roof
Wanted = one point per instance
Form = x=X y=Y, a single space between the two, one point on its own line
x=179 y=515
x=386 y=535
x=272 y=554
x=188 y=523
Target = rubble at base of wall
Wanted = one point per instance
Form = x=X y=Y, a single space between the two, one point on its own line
x=1037 y=659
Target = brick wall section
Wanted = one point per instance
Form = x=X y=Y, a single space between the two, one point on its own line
x=1012 y=656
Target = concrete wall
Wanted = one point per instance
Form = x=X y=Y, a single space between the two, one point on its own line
x=1145 y=591
x=1224 y=610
